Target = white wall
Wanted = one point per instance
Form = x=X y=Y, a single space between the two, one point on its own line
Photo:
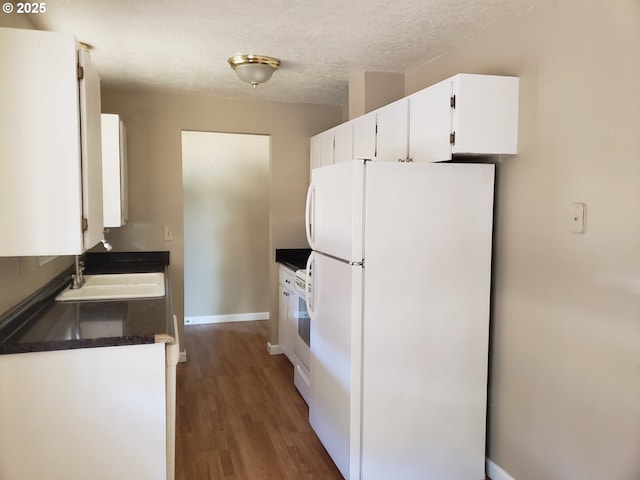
x=565 y=376
x=225 y=188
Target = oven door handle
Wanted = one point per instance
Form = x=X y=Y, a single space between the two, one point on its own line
x=308 y=287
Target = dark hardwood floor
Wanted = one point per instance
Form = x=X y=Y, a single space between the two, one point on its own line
x=239 y=415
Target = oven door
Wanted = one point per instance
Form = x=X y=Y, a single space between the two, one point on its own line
x=301 y=340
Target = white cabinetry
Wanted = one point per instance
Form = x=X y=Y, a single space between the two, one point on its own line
x=316 y=152
x=50 y=148
x=393 y=127
x=343 y=142
x=430 y=124
x=94 y=413
x=353 y=139
x=466 y=114
x=286 y=312
x=114 y=171
x=326 y=140
x=322 y=149
x=364 y=136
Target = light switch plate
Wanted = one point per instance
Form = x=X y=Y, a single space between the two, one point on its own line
x=168 y=233
x=577 y=217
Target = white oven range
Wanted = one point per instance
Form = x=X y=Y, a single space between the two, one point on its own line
x=302 y=338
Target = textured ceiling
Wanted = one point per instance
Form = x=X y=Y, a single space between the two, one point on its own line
x=183 y=46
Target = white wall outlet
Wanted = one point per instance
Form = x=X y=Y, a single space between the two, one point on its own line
x=577 y=214
x=168 y=233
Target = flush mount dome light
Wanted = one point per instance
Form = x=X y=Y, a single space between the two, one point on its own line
x=254 y=69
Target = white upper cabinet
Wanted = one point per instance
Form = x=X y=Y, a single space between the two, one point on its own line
x=114 y=171
x=91 y=151
x=343 y=142
x=485 y=116
x=326 y=139
x=466 y=114
x=364 y=136
x=393 y=131
x=316 y=152
x=322 y=149
x=430 y=123
x=50 y=149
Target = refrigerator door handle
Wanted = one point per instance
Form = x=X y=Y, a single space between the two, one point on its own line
x=309 y=214
x=308 y=289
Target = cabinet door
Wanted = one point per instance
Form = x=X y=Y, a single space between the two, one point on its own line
x=430 y=123
x=393 y=131
x=124 y=175
x=485 y=119
x=114 y=396
x=343 y=143
x=315 y=154
x=364 y=136
x=326 y=139
x=91 y=145
x=114 y=171
x=40 y=194
x=322 y=149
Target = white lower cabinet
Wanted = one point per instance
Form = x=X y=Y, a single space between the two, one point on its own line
x=286 y=312
x=50 y=145
x=96 y=413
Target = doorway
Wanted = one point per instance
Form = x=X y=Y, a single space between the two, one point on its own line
x=225 y=181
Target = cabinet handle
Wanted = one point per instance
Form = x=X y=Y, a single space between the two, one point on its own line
x=287 y=281
x=409 y=159
x=286 y=294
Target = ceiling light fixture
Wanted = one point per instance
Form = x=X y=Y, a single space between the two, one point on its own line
x=254 y=69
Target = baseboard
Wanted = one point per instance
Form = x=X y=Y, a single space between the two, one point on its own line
x=494 y=472
x=183 y=356
x=236 y=317
x=274 y=349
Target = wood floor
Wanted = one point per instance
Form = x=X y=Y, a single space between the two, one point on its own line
x=239 y=415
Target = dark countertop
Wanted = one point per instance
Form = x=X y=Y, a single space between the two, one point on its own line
x=39 y=323
x=293 y=258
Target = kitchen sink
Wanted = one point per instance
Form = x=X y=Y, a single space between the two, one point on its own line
x=116 y=285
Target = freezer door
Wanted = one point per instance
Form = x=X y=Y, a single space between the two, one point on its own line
x=334 y=403
x=334 y=210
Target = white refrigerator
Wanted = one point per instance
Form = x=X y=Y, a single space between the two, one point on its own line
x=400 y=278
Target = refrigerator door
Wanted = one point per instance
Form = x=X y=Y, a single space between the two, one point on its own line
x=334 y=210
x=427 y=277
x=334 y=401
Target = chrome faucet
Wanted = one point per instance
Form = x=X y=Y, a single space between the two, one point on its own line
x=107 y=246
x=77 y=279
